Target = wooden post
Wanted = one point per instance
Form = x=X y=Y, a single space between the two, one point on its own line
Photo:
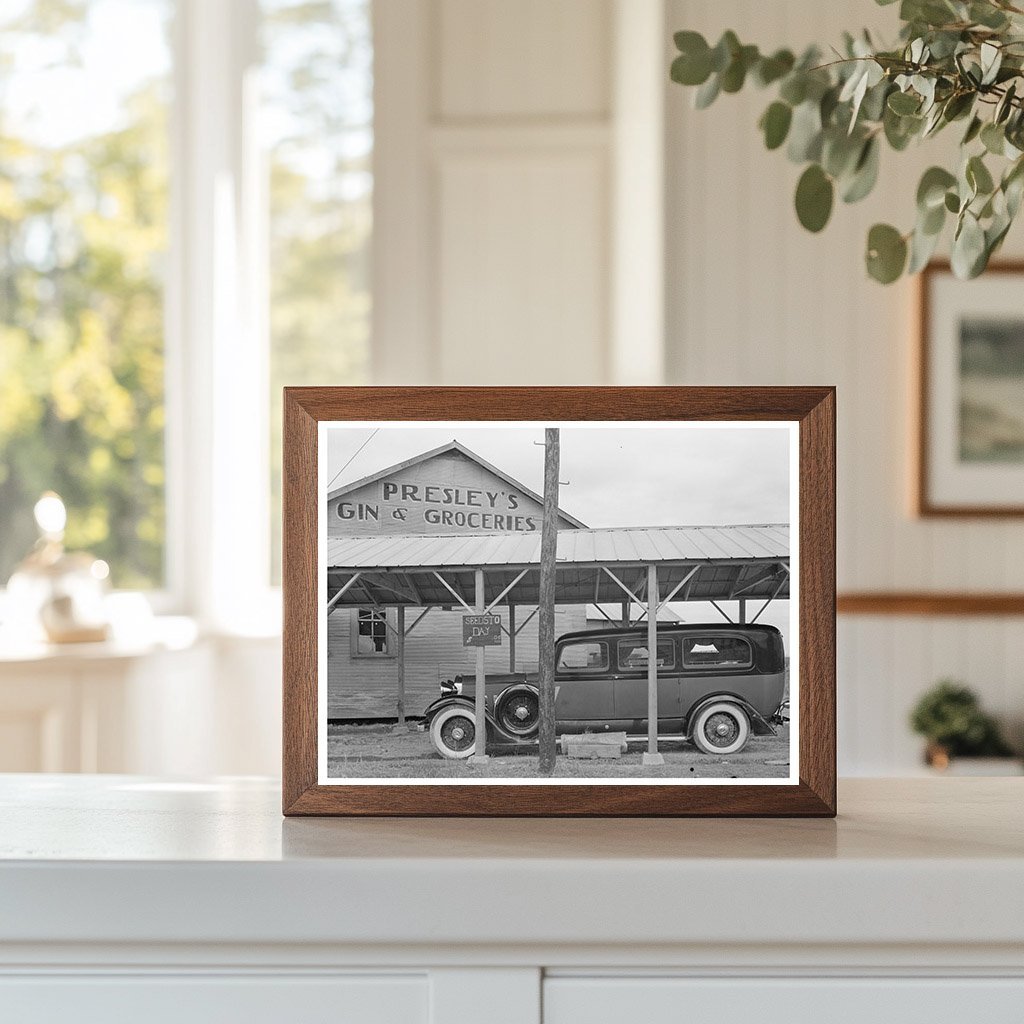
x=546 y=612
x=401 y=666
x=652 y=756
x=479 y=755
x=511 y=637
x=743 y=610
x=625 y=613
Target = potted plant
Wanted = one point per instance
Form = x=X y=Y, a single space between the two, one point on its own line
x=951 y=719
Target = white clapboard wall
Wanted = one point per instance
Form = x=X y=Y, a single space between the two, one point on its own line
x=754 y=299
x=366 y=686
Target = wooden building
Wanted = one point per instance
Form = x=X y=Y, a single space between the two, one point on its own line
x=449 y=491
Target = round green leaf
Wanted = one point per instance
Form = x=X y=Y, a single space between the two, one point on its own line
x=922 y=248
x=707 y=93
x=865 y=174
x=973 y=130
x=770 y=69
x=814 y=194
x=993 y=138
x=903 y=103
x=693 y=65
x=775 y=123
x=978 y=176
x=794 y=89
x=932 y=189
x=887 y=253
x=968 y=255
x=805 y=133
x=952 y=202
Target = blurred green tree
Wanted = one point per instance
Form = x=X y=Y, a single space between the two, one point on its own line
x=82 y=233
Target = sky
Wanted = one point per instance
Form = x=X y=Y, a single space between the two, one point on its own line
x=659 y=475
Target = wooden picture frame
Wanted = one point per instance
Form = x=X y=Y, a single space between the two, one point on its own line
x=811 y=409
x=930 y=377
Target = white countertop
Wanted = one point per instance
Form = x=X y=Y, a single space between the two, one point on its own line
x=122 y=859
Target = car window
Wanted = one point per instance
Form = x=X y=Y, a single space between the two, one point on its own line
x=587 y=655
x=634 y=654
x=716 y=652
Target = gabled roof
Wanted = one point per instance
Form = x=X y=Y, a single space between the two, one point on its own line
x=444 y=449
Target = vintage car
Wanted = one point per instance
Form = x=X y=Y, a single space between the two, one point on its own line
x=717 y=684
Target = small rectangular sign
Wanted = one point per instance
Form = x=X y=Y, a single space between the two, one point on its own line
x=481 y=630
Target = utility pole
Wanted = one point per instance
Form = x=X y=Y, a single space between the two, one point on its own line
x=546 y=612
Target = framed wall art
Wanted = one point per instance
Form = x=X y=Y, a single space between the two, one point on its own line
x=970 y=423
x=559 y=601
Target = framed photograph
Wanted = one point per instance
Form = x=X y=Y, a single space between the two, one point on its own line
x=559 y=601
x=970 y=445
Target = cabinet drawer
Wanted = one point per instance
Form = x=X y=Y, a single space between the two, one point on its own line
x=569 y=1000
x=202 y=999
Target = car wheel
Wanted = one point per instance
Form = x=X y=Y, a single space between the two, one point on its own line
x=721 y=728
x=517 y=710
x=453 y=732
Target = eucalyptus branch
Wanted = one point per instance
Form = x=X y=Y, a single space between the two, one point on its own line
x=955 y=61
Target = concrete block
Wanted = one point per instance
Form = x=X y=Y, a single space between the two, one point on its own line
x=594 y=744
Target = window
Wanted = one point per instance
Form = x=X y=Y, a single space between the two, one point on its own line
x=317 y=121
x=583 y=656
x=716 y=652
x=634 y=654
x=372 y=633
x=264 y=280
x=83 y=239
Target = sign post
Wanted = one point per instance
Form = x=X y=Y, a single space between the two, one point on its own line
x=479 y=755
x=652 y=756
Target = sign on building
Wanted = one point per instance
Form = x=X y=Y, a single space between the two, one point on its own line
x=481 y=630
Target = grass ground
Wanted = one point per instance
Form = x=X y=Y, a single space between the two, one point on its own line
x=377 y=751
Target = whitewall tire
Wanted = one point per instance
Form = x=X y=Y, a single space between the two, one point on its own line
x=721 y=728
x=453 y=732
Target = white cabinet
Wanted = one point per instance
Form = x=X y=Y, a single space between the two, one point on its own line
x=133 y=898
x=239 y=999
x=824 y=1000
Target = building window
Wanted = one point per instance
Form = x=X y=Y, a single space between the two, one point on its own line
x=83 y=247
x=373 y=634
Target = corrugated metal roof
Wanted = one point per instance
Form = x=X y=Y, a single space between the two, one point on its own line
x=625 y=546
x=695 y=563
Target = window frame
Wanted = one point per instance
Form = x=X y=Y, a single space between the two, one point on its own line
x=641 y=642
x=390 y=628
x=688 y=666
x=583 y=669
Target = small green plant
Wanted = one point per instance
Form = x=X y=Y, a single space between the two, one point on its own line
x=956 y=61
x=950 y=717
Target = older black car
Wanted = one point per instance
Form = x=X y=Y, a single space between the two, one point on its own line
x=717 y=684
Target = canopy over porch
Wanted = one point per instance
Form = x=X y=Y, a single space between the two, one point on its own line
x=602 y=566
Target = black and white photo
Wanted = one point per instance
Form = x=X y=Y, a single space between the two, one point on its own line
x=434 y=663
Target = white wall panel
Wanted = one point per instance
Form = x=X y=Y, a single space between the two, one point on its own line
x=494 y=207
x=754 y=299
x=530 y=58
x=522 y=275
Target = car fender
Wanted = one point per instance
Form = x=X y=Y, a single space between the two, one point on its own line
x=445 y=701
x=457 y=700
x=758 y=724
